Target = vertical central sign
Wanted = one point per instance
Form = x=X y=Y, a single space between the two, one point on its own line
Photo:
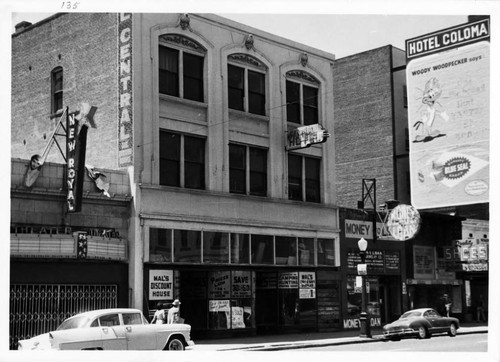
x=125 y=102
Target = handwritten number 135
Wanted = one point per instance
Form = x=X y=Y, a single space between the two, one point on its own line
x=69 y=5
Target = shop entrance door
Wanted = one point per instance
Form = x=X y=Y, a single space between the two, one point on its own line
x=266 y=303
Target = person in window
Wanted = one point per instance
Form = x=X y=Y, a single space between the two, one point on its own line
x=159 y=316
x=173 y=313
x=447 y=302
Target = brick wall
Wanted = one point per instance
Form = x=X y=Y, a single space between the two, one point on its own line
x=363 y=125
x=85 y=46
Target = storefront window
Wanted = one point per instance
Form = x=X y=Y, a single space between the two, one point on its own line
x=215 y=247
x=187 y=246
x=262 y=249
x=326 y=251
x=230 y=302
x=242 y=289
x=240 y=248
x=306 y=251
x=160 y=245
x=286 y=250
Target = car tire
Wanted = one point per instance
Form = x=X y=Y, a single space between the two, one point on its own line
x=422 y=332
x=175 y=344
x=453 y=330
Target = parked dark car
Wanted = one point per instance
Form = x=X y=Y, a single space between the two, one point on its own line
x=421 y=323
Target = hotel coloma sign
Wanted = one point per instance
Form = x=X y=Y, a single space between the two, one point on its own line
x=447 y=38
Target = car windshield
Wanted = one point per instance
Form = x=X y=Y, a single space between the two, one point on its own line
x=75 y=322
x=410 y=315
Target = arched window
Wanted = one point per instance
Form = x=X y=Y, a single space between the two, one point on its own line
x=302 y=98
x=181 y=67
x=246 y=84
x=57 y=91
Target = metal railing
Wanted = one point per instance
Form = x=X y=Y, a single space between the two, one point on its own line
x=40 y=308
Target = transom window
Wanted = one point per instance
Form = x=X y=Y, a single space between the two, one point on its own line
x=208 y=247
x=181 y=69
x=246 y=84
x=302 y=98
x=182 y=160
x=304 y=178
x=247 y=170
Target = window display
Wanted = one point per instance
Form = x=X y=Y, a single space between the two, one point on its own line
x=230 y=303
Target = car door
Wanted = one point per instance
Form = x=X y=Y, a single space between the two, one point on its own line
x=113 y=337
x=435 y=320
x=139 y=336
x=442 y=324
x=432 y=319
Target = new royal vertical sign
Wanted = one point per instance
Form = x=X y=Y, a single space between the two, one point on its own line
x=125 y=101
x=71 y=129
x=448 y=82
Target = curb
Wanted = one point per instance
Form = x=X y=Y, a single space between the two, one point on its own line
x=311 y=344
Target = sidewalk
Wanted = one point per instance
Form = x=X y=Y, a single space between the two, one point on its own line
x=293 y=341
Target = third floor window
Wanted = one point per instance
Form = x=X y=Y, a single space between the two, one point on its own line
x=247 y=85
x=181 y=71
x=302 y=103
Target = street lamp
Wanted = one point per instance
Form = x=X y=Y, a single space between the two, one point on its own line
x=364 y=317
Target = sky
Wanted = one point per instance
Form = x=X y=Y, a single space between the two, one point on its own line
x=338 y=34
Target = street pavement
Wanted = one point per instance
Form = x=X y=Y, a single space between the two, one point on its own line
x=304 y=340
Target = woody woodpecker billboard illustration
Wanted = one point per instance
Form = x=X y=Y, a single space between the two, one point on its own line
x=448 y=110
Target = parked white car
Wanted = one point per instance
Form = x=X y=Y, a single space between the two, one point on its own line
x=112 y=329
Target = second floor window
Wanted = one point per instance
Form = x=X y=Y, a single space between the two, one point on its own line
x=182 y=160
x=181 y=73
x=247 y=170
x=304 y=178
x=246 y=90
x=301 y=103
x=57 y=91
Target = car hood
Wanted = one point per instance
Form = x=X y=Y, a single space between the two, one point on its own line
x=40 y=342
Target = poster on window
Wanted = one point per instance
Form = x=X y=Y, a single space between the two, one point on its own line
x=241 y=284
x=449 y=116
x=237 y=319
x=288 y=280
x=218 y=305
x=307 y=285
x=161 y=284
x=219 y=285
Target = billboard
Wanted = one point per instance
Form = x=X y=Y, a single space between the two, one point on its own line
x=448 y=111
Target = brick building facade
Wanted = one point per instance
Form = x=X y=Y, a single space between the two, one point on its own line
x=84 y=46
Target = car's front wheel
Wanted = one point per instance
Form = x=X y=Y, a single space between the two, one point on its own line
x=175 y=344
x=422 y=332
x=453 y=330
